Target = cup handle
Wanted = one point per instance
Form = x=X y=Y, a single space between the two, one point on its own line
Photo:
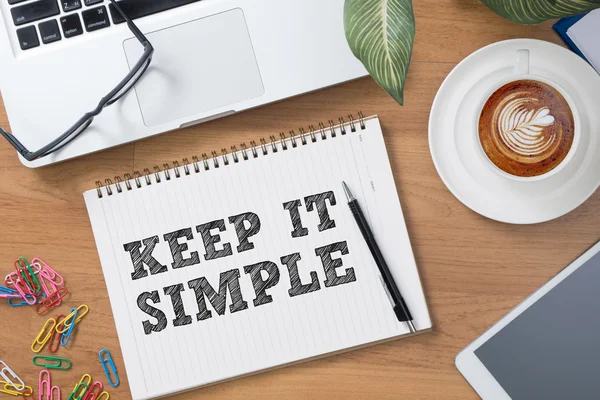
x=522 y=66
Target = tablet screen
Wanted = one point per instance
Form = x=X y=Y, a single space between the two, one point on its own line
x=552 y=350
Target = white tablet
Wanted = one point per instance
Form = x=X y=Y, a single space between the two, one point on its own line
x=548 y=347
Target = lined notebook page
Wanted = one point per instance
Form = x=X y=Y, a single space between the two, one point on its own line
x=352 y=311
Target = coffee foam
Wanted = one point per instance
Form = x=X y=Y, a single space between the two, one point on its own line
x=522 y=130
x=526 y=128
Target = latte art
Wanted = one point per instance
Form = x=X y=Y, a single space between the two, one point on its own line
x=522 y=130
x=526 y=128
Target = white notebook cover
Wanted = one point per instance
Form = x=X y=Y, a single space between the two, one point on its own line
x=275 y=328
x=585 y=34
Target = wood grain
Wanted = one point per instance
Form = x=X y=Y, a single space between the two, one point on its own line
x=474 y=270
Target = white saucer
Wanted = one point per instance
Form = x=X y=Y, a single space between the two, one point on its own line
x=462 y=165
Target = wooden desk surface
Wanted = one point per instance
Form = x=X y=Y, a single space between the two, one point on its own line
x=474 y=270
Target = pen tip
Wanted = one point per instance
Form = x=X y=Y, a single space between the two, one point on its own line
x=348 y=192
x=411 y=327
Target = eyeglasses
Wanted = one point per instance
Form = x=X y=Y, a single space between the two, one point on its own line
x=84 y=122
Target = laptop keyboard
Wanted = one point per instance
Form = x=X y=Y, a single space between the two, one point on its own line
x=70 y=18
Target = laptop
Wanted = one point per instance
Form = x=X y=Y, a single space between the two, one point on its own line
x=212 y=58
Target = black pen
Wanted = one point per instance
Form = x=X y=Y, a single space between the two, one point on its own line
x=400 y=307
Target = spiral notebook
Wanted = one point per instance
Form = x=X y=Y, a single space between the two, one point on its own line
x=251 y=260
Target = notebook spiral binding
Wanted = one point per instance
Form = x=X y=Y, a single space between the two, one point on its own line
x=216 y=160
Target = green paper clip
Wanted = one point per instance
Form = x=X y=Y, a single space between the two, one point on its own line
x=57 y=362
x=81 y=385
x=37 y=283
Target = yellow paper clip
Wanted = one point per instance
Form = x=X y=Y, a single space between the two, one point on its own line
x=105 y=394
x=86 y=379
x=10 y=389
x=47 y=329
x=79 y=392
x=82 y=311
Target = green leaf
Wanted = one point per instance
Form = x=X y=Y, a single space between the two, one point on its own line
x=381 y=35
x=530 y=12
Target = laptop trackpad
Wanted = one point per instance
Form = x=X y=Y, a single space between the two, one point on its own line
x=197 y=67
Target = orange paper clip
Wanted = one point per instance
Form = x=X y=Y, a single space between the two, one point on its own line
x=51 y=301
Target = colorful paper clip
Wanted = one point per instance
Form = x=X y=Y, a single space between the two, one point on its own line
x=55 y=334
x=27 y=275
x=107 y=362
x=46 y=390
x=50 y=273
x=79 y=392
x=82 y=311
x=7 y=290
x=44 y=336
x=54 y=393
x=10 y=389
x=29 y=300
x=91 y=393
x=48 y=288
x=53 y=362
x=103 y=396
x=65 y=337
x=8 y=293
x=13 y=280
x=85 y=378
x=9 y=376
x=51 y=301
x=49 y=278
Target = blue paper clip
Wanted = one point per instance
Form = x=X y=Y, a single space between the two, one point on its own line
x=109 y=361
x=22 y=303
x=65 y=337
x=7 y=290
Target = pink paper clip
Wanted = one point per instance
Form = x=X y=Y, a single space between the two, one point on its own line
x=10 y=296
x=46 y=390
x=44 y=385
x=52 y=275
x=20 y=287
x=91 y=394
x=43 y=276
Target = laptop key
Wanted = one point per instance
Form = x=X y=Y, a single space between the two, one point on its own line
x=49 y=31
x=70 y=5
x=34 y=11
x=95 y=18
x=15 y=1
x=91 y=2
x=28 y=37
x=71 y=25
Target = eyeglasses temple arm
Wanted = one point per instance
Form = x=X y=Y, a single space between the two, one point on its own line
x=14 y=142
x=133 y=27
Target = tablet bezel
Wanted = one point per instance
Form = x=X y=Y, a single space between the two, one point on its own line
x=474 y=371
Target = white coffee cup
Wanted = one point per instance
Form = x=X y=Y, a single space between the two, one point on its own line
x=522 y=73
